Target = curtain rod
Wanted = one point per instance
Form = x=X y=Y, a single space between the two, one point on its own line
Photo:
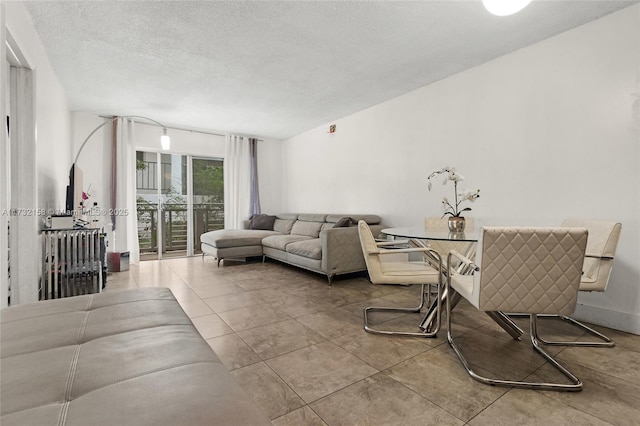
x=178 y=128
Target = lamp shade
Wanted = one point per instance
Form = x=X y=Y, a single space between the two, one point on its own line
x=505 y=7
x=165 y=140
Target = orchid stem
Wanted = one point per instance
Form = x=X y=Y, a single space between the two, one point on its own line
x=455 y=190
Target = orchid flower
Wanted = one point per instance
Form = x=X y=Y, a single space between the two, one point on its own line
x=449 y=174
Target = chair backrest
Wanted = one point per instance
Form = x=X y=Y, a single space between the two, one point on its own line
x=370 y=252
x=529 y=270
x=601 y=249
x=442 y=223
x=444 y=247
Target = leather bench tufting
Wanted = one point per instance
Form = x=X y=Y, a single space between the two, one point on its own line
x=118 y=358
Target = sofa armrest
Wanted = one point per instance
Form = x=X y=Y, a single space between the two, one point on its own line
x=341 y=250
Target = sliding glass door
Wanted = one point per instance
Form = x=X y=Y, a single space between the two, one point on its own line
x=208 y=197
x=178 y=198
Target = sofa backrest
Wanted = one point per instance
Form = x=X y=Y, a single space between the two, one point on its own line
x=371 y=219
x=308 y=228
x=286 y=223
x=312 y=217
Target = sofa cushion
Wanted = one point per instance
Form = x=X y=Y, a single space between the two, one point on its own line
x=262 y=221
x=344 y=222
x=371 y=219
x=283 y=225
x=326 y=226
x=309 y=248
x=287 y=216
x=223 y=238
x=280 y=242
x=310 y=229
x=312 y=217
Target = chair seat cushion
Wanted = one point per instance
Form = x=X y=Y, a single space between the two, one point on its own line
x=463 y=284
x=408 y=273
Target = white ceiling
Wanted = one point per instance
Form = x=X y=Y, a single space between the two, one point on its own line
x=276 y=68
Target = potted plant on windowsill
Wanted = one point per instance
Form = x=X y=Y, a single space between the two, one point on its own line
x=454 y=210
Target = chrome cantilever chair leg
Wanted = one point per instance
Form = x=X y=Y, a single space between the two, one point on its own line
x=606 y=341
x=432 y=332
x=574 y=386
x=598 y=261
x=506 y=323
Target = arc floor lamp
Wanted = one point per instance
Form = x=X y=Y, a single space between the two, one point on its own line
x=165 y=140
x=74 y=189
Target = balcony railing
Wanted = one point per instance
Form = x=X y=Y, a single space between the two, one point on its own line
x=146 y=176
x=206 y=217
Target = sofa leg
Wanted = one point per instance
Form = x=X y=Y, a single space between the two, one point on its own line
x=330 y=279
x=219 y=259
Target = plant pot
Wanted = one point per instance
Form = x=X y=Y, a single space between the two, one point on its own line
x=456 y=224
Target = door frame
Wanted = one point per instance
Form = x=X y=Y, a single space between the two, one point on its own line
x=159 y=206
x=19 y=184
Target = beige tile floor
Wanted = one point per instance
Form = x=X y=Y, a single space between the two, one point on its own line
x=297 y=347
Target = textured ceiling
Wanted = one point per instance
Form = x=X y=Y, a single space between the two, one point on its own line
x=275 y=69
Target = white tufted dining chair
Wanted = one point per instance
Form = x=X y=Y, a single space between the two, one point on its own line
x=394 y=272
x=440 y=224
x=596 y=271
x=444 y=247
x=529 y=270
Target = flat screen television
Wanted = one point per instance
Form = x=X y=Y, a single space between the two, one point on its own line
x=74 y=191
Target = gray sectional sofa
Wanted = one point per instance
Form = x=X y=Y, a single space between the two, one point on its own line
x=308 y=240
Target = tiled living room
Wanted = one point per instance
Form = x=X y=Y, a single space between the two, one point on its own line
x=297 y=346
x=149 y=132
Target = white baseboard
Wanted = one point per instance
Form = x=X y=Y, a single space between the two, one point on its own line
x=622 y=321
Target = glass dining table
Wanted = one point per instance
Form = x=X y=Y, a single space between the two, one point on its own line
x=425 y=234
x=419 y=237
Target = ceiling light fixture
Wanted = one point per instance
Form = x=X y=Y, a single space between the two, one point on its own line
x=505 y=7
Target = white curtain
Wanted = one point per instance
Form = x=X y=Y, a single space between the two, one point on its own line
x=237 y=178
x=126 y=232
x=254 y=202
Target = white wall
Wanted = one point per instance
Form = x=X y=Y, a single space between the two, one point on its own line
x=4 y=164
x=48 y=154
x=270 y=167
x=52 y=112
x=546 y=132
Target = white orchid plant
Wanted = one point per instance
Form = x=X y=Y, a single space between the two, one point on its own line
x=448 y=208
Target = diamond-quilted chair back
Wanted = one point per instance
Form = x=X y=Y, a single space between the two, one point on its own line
x=534 y=270
x=601 y=249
